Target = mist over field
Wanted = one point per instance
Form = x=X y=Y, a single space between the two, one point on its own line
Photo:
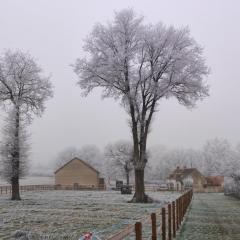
x=53 y=33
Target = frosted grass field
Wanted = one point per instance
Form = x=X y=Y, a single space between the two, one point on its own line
x=68 y=214
x=212 y=216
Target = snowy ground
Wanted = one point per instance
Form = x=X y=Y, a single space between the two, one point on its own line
x=67 y=214
x=212 y=216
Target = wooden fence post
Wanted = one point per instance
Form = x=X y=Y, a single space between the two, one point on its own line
x=184 y=205
x=169 y=222
x=177 y=210
x=182 y=209
x=138 y=230
x=180 y=212
x=174 y=219
x=154 y=226
x=163 y=224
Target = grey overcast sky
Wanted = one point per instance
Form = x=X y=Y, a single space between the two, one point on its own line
x=53 y=32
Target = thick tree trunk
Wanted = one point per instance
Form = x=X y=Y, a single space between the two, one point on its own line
x=140 y=196
x=15 y=189
x=16 y=160
x=139 y=186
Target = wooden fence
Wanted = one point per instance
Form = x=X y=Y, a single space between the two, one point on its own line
x=170 y=218
x=25 y=188
x=7 y=189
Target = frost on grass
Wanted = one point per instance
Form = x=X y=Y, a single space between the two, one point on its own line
x=212 y=216
x=68 y=214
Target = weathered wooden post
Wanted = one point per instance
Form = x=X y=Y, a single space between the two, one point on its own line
x=183 y=201
x=154 y=226
x=174 y=219
x=184 y=205
x=138 y=230
x=177 y=211
x=180 y=210
x=169 y=222
x=163 y=224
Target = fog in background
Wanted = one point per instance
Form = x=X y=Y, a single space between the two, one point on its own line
x=53 y=32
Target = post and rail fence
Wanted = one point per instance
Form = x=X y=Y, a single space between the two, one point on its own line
x=25 y=188
x=8 y=189
x=170 y=218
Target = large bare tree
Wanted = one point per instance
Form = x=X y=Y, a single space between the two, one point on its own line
x=140 y=65
x=23 y=91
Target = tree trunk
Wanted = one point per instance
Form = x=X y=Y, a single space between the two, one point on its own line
x=16 y=160
x=15 y=189
x=127 y=177
x=140 y=196
x=139 y=186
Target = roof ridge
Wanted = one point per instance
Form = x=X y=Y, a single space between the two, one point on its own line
x=76 y=158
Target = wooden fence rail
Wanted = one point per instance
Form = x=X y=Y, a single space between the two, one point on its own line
x=25 y=188
x=171 y=218
x=7 y=189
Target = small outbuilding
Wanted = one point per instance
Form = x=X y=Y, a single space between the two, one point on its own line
x=183 y=178
x=78 y=174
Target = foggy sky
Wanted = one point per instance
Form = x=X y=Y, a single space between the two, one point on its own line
x=53 y=32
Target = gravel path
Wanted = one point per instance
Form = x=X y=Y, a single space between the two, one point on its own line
x=212 y=216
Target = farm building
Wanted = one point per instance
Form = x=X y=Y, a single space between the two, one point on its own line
x=186 y=177
x=78 y=174
x=183 y=178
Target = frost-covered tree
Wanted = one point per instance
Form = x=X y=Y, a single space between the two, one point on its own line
x=23 y=91
x=65 y=155
x=140 y=65
x=219 y=158
x=9 y=142
x=93 y=155
x=167 y=160
x=231 y=170
x=119 y=158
